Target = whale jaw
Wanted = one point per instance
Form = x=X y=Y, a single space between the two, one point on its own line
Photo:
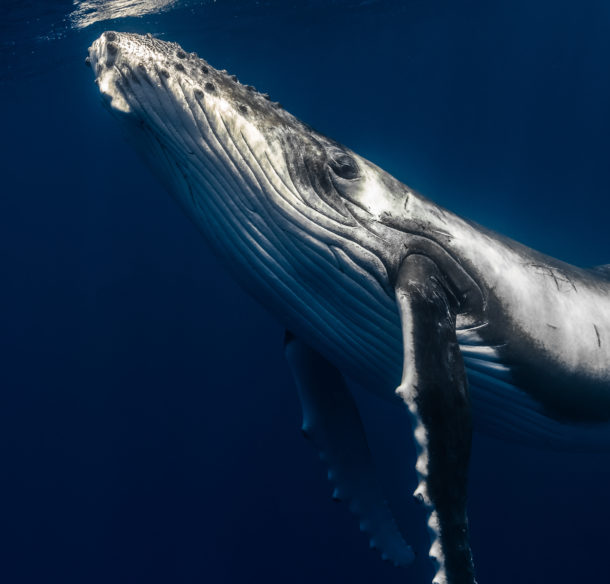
x=291 y=213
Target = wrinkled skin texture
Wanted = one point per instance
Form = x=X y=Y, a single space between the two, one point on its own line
x=327 y=241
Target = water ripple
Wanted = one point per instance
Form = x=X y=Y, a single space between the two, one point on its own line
x=88 y=12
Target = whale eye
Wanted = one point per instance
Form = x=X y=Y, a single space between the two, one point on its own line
x=343 y=165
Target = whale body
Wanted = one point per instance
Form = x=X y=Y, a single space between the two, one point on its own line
x=374 y=282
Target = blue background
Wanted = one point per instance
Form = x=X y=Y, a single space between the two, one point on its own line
x=149 y=428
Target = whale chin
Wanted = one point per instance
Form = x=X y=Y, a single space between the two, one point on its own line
x=254 y=180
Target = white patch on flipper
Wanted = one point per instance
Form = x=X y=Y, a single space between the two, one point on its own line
x=436 y=550
x=409 y=380
x=421 y=492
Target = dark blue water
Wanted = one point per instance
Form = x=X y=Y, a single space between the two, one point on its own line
x=149 y=429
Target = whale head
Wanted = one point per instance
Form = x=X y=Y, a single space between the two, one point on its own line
x=298 y=218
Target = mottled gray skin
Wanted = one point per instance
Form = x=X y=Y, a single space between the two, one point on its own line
x=328 y=242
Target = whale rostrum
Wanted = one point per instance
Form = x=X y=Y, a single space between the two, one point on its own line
x=374 y=283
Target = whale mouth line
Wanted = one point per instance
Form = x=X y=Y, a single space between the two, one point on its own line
x=255 y=180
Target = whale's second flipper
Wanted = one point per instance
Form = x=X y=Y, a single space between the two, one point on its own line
x=332 y=422
x=435 y=388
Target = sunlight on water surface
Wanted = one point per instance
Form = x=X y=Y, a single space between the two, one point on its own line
x=88 y=12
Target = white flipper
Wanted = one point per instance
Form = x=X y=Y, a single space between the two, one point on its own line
x=332 y=422
x=435 y=389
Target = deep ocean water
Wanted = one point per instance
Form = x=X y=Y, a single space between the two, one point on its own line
x=149 y=428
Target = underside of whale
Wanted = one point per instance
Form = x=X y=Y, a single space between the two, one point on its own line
x=435 y=389
x=451 y=373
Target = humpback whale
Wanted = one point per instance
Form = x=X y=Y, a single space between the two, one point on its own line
x=373 y=282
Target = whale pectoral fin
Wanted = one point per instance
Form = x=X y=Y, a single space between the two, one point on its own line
x=332 y=422
x=435 y=389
